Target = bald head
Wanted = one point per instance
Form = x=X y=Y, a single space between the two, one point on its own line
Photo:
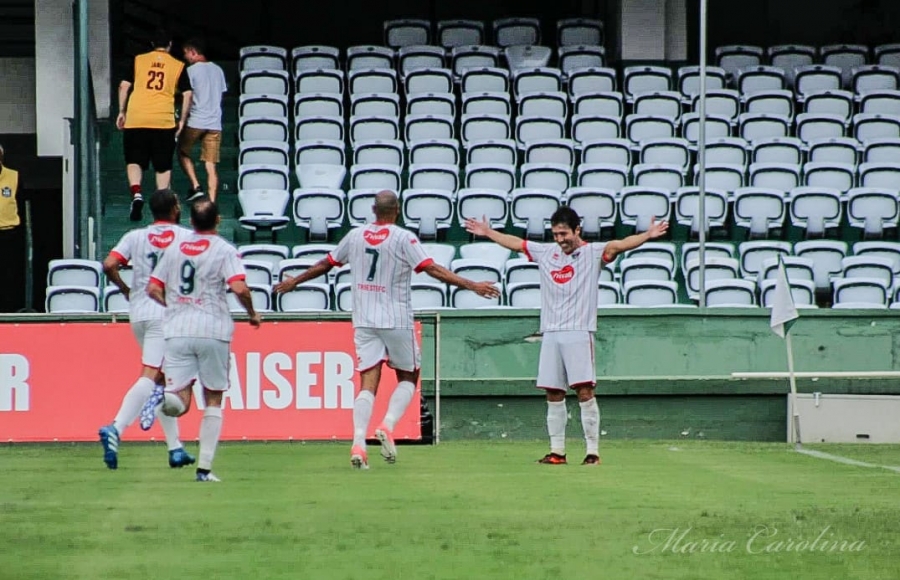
x=204 y=215
x=387 y=206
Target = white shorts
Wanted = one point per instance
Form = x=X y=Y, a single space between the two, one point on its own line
x=397 y=347
x=149 y=334
x=188 y=359
x=567 y=360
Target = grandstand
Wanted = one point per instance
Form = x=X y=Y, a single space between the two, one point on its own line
x=509 y=114
x=501 y=118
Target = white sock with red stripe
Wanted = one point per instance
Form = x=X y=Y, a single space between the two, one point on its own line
x=557 y=417
x=362 y=414
x=210 y=430
x=590 y=422
x=400 y=400
x=170 y=429
x=132 y=403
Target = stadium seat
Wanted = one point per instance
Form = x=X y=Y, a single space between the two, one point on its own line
x=872 y=209
x=754 y=79
x=732 y=58
x=645 y=79
x=538 y=128
x=553 y=176
x=555 y=151
x=429 y=151
x=755 y=252
x=427 y=211
x=531 y=209
x=668 y=177
x=380 y=105
x=638 y=268
x=453 y=33
x=463 y=58
x=316 y=81
x=716 y=126
x=380 y=152
x=263 y=209
x=689 y=81
x=74 y=272
x=428 y=295
x=307 y=297
x=372 y=80
x=815 y=78
x=490 y=176
x=590 y=128
x=258 y=272
x=424 y=127
x=524 y=295
x=476 y=203
x=481 y=127
x=830 y=102
x=293 y=267
x=602 y=176
x=263 y=129
x=591 y=80
x=608 y=294
x=520 y=271
x=319 y=128
x=271 y=253
x=687 y=206
x=375 y=176
x=845 y=57
x=64 y=299
x=319 y=210
x=606 y=152
x=312 y=251
x=467 y=299
x=359 y=205
x=318 y=105
x=796 y=268
x=869 y=267
x=603 y=104
x=724 y=293
x=650 y=293
x=859 y=293
x=262 y=57
x=272 y=177
x=760 y=210
x=868 y=78
x=777 y=150
x=486 y=103
x=319 y=151
x=826 y=257
x=406 y=32
x=727 y=150
x=577 y=56
x=840 y=150
x=881 y=249
x=790 y=56
x=717 y=268
x=882 y=102
x=307 y=58
x=264 y=152
x=428 y=81
x=114 y=301
x=263 y=106
x=579 y=31
x=720 y=104
x=343 y=297
x=517 y=31
x=816 y=209
x=597 y=207
x=431 y=104
x=490 y=252
x=770 y=102
x=803 y=293
x=639 y=204
x=369 y=57
x=779 y=176
x=265 y=82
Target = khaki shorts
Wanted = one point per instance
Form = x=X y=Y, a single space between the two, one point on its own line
x=210 y=143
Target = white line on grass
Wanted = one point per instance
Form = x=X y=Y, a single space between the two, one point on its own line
x=844 y=460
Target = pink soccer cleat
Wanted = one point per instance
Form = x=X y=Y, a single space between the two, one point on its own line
x=358 y=458
x=388 y=449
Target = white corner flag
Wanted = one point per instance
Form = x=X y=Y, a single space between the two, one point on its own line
x=783 y=310
x=784 y=313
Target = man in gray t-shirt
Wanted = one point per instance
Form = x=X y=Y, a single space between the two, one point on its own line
x=205 y=121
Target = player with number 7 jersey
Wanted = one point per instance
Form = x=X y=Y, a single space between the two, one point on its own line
x=382 y=258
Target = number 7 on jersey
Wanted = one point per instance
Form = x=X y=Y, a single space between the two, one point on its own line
x=374 y=253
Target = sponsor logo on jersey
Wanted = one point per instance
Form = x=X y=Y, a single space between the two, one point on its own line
x=375 y=238
x=564 y=275
x=161 y=240
x=194 y=248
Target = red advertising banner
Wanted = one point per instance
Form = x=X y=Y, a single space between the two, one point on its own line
x=289 y=380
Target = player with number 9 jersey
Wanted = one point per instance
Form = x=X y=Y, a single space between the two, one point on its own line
x=194 y=275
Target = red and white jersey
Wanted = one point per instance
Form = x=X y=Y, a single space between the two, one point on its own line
x=195 y=274
x=569 y=285
x=382 y=258
x=144 y=248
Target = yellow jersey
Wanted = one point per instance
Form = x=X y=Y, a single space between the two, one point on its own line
x=156 y=78
x=9 y=186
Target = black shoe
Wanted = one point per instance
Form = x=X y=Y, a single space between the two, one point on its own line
x=195 y=193
x=553 y=459
x=137 y=207
x=591 y=460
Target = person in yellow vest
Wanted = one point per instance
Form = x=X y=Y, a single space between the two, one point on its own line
x=12 y=240
x=147 y=115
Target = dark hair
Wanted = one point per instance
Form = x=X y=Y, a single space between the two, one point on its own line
x=197 y=43
x=160 y=38
x=162 y=202
x=204 y=213
x=565 y=216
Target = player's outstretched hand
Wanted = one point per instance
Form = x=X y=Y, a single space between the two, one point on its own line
x=657 y=229
x=485 y=289
x=255 y=320
x=284 y=286
x=478 y=228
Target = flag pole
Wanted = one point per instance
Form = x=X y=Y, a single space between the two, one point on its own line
x=793 y=380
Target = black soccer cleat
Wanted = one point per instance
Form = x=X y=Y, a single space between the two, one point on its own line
x=137 y=208
x=591 y=460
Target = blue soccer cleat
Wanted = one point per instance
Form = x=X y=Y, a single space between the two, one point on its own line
x=148 y=412
x=179 y=458
x=109 y=438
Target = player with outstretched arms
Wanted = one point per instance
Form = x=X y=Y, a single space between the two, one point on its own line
x=143 y=248
x=190 y=281
x=569 y=275
x=382 y=258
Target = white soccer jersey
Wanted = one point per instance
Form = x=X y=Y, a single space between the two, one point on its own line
x=144 y=248
x=569 y=285
x=382 y=258
x=195 y=274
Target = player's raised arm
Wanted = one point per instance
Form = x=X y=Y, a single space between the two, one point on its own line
x=321 y=267
x=615 y=247
x=486 y=289
x=483 y=228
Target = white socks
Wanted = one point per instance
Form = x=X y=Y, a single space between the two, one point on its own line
x=170 y=430
x=210 y=429
x=362 y=414
x=132 y=403
x=590 y=422
x=400 y=400
x=557 y=417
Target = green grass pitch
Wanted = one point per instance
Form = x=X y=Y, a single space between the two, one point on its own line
x=461 y=510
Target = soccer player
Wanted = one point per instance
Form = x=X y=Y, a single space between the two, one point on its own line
x=570 y=271
x=382 y=257
x=190 y=281
x=144 y=247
